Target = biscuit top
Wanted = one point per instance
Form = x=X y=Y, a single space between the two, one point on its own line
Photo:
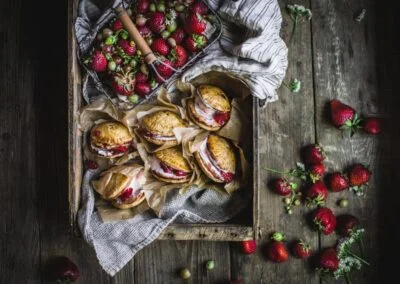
x=173 y=157
x=109 y=134
x=214 y=97
x=222 y=152
x=162 y=122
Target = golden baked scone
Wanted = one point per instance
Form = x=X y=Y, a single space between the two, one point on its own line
x=170 y=166
x=109 y=134
x=214 y=97
x=157 y=127
x=210 y=108
x=216 y=159
x=122 y=185
x=110 y=139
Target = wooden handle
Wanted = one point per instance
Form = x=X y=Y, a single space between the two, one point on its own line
x=123 y=16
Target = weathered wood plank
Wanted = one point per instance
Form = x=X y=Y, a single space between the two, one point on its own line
x=51 y=150
x=215 y=232
x=161 y=262
x=285 y=126
x=19 y=230
x=345 y=68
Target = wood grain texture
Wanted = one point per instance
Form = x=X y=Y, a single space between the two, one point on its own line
x=161 y=262
x=19 y=229
x=285 y=126
x=346 y=68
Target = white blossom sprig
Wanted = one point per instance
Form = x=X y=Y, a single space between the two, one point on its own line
x=294 y=86
x=298 y=13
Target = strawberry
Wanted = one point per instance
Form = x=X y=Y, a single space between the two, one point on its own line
x=324 y=220
x=62 y=270
x=145 y=31
x=328 y=261
x=316 y=171
x=127 y=46
x=160 y=46
x=142 y=6
x=117 y=25
x=358 y=176
x=195 y=42
x=344 y=116
x=163 y=70
x=277 y=251
x=99 y=62
x=249 y=247
x=200 y=8
x=313 y=154
x=124 y=83
x=156 y=23
x=283 y=187
x=142 y=89
x=346 y=223
x=141 y=77
x=337 y=182
x=301 y=249
x=178 y=56
x=372 y=125
x=316 y=194
x=178 y=35
x=195 y=24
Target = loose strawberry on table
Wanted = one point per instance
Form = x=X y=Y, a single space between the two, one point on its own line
x=324 y=220
x=359 y=176
x=316 y=194
x=337 y=182
x=276 y=251
x=344 y=117
x=313 y=154
x=249 y=247
x=301 y=249
x=372 y=125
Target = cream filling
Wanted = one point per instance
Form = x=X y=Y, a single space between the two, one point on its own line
x=155 y=165
x=136 y=184
x=108 y=152
x=205 y=112
x=207 y=160
x=161 y=137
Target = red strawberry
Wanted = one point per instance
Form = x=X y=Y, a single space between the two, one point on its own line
x=200 y=8
x=324 y=220
x=62 y=270
x=344 y=116
x=117 y=25
x=124 y=83
x=141 y=77
x=127 y=46
x=372 y=125
x=337 y=182
x=178 y=56
x=249 y=247
x=142 y=89
x=328 y=260
x=142 y=6
x=145 y=31
x=163 y=70
x=313 y=154
x=282 y=186
x=178 y=35
x=195 y=24
x=277 y=251
x=160 y=46
x=346 y=223
x=359 y=175
x=156 y=23
x=301 y=249
x=195 y=42
x=316 y=194
x=99 y=62
x=316 y=171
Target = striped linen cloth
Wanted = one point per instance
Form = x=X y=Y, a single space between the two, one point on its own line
x=256 y=54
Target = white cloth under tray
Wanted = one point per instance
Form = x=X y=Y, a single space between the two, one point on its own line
x=256 y=54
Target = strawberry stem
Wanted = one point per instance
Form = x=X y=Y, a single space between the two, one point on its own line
x=276 y=171
x=347 y=277
x=295 y=20
x=357 y=257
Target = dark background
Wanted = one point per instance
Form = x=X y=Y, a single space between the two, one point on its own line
x=34 y=223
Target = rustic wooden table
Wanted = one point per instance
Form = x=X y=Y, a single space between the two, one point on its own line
x=334 y=57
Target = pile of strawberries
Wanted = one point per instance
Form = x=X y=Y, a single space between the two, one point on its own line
x=313 y=192
x=175 y=31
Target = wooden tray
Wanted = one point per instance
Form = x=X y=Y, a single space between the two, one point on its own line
x=244 y=227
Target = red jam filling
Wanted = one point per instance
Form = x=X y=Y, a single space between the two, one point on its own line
x=221 y=117
x=126 y=194
x=228 y=177
x=120 y=149
x=167 y=169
